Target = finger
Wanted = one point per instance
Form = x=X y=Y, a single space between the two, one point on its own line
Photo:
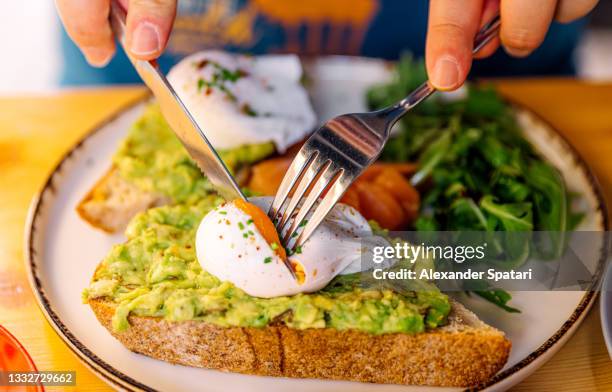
x=489 y=10
x=148 y=26
x=451 y=29
x=86 y=23
x=570 y=10
x=524 y=24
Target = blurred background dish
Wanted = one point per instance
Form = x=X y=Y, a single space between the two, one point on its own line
x=14 y=357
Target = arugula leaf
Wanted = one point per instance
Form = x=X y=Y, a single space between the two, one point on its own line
x=431 y=157
x=426 y=223
x=550 y=202
x=466 y=215
x=483 y=289
x=511 y=217
x=514 y=248
x=484 y=103
x=510 y=188
x=499 y=298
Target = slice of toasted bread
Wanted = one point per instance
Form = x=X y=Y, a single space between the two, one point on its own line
x=463 y=353
x=113 y=202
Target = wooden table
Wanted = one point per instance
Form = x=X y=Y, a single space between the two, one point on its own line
x=36 y=130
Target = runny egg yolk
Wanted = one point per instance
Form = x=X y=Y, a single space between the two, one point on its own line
x=264 y=225
x=300 y=274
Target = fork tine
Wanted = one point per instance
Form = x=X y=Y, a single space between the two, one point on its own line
x=295 y=171
x=310 y=174
x=328 y=174
x=328 y=202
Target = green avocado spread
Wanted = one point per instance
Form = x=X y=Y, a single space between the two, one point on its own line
x=156 y=273
x=152 y=158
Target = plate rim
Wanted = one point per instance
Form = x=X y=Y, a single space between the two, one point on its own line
x=118 y=379
x=605 y=304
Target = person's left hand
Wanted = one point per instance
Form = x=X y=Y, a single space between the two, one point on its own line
x=453 y=25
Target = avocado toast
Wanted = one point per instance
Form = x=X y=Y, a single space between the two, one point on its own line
x=154 y=297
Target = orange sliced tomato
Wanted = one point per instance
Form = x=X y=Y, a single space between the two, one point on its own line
x=405 y=169
x=396 y=184
x=267 y=175
x=351 y=198
x=379 y=205
x=382 y=193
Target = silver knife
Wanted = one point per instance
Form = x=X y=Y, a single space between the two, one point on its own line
x=177 y=115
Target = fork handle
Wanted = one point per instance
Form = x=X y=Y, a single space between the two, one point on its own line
x=483 y=37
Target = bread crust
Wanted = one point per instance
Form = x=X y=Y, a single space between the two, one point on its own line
x=114 y=201
x=464 y=353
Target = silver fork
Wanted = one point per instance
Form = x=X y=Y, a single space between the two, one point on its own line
x=335 y=155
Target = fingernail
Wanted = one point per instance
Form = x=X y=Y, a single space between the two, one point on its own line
x=145 y=39
x=446 y=73
x=514 y=52
x=98 y=57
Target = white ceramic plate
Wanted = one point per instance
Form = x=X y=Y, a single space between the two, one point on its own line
x=62 y=252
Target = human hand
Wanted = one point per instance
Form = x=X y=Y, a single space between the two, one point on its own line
x=453 y=24
x=148 y=26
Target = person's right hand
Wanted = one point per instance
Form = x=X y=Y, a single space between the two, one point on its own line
x=148 y=26
x=454 y=23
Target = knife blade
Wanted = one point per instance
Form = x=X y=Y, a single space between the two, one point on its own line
x=178 y=117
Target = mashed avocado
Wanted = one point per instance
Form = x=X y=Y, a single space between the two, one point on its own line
x=155 y=273
x=153 y=159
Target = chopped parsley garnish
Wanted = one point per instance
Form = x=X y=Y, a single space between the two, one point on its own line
x=267 y=260
x=223 y=212
x=274 y=246
x=298 y=249
x=303 y=223
x=250 y=221
x=220 y=77
x=241 y=225
x=245 y=235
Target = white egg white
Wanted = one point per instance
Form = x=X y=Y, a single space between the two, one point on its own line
x=253 y=266
x=267 y=103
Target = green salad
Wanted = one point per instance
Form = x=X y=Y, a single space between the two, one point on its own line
x=476 y=171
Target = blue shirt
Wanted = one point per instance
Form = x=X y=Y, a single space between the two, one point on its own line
x=373 y=28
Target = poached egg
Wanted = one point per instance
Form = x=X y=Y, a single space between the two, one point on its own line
x=237 y=242
x=239 y=99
